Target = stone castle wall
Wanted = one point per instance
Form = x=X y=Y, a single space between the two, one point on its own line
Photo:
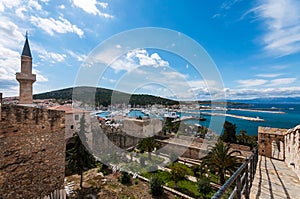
x=271 y=142
x=142 y=128
x=282 y=144
x=292 y=149
x=32 y=151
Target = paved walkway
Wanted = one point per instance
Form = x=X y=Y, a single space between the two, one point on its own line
x=273 y=179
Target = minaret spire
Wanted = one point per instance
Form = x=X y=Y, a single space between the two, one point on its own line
x=26 y=48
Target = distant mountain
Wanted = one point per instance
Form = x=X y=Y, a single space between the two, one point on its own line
x=274 y=100
x=102 y=96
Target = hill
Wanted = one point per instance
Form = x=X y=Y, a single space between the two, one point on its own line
x=102 y=96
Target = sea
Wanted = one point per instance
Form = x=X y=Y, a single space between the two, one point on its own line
x=289 y=119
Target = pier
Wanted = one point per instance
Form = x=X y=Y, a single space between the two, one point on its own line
x=255 y=119
x=183 y=118
x=258 y=111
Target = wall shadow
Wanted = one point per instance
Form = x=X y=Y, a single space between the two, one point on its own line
x=282 y=184
x=260 y=179
x=269 y=179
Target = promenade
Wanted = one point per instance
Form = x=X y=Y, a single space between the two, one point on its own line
x=273 y=179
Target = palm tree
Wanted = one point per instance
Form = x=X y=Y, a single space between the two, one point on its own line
x=221 y=160
x=148 y=144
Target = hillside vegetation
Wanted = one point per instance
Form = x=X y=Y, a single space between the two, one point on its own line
x=102 y=96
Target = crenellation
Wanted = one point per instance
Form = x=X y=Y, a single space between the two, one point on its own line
x=32 y=151
x=292 y=148
x=282 y=144
x=271 y=142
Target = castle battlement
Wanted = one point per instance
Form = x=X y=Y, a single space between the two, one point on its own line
x=281 y=144
x=32 y=151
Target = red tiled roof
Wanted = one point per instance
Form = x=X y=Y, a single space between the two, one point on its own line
x=68 y=109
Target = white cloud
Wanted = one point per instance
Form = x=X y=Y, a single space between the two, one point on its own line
x=249 y=93
x=269 y=75
x=62 y=6
x=52 y=57
x=9 y=4
x=173 y=75
x=229 y=3
x=34 y=4
x=39 y=76
x=30 y=4
x=103 y=5
x=11 y=37
x=282 y=81
x=90 y=7
x=108 y=79
x=251 y=82
x=136 y=58
x=282 y=21
x=9 y=91
x=77 y=56
x=52 y=26
x=20 y=12
x=279 y=67
x=10 y=45
x=1 y=7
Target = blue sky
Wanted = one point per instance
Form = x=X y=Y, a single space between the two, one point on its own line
x=254 y=44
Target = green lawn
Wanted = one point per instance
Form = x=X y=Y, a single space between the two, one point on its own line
x=184 y=186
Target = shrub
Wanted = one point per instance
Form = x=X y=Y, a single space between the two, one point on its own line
x=136 y=182
x=204 y=186
x=125 y=178
x=156 y=186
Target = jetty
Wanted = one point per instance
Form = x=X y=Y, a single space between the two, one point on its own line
x=254 y=110
x=255 y=119
x=183 y=118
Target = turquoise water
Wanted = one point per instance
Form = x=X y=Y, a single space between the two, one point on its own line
x=290 y=119
x=103 y=114
x=137 y=113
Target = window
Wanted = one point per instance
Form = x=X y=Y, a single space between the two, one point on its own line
x=72 y=126
x=76 y=117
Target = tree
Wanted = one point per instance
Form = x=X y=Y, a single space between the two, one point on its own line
x=177 y=172
x=221 y=160
x=204 y=186
x=148 y=144
x=79 y=158
x=156 y=186
x=229 y=132
x=242 y=138
x=199 y=170
x=245 y=139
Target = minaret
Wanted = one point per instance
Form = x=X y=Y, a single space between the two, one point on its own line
x=25 y=77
